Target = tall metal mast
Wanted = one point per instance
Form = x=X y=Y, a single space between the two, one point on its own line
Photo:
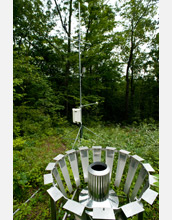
x=77 y=112
x=79 y=41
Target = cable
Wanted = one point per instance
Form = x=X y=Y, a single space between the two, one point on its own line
x=68 y=132
x=94 y=133
x=100 y=136
x=76 y=138
x=27 y=200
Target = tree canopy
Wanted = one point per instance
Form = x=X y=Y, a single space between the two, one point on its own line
x=119 y=50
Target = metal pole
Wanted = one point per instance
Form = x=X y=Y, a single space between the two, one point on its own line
x=140 y=216
x=65 y=215
x=121 y=216
x=80 y=56
x=79 y=41
x=53 y=209
x=81 y=131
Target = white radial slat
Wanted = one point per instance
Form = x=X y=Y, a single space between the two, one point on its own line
x=110 y=152
x=122 y=158
x=84 y=161
x=97 y=153
x=131 y=172
x=146 y=186
x=140 y=179
x=74 y=165
x=59 y=181
x=63 y=167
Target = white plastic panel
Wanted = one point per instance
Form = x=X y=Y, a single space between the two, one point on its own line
x=74 y=207
x=148 y=167
x=55 y=193
x=124 y=152
x=59 y=157
x=48 y=178
x=136 y=157
x=132 y=208
x=50 y=166
x=76 y=112
x=152 y=180
x=149 y=196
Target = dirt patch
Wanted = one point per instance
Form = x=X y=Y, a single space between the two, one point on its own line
x=60 y=149
x=55 y=145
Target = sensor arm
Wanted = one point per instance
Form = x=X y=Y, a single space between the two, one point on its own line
x=95 y=103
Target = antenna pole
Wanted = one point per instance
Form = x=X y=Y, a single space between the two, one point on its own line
x=79 y=41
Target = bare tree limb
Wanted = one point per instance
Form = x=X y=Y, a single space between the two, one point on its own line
x=63 y=25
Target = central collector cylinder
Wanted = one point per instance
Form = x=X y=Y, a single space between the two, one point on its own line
x=98 y=181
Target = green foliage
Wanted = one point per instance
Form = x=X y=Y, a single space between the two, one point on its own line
x=32 y=154
x=46 y=71
x=18 y=143
x=35 y=104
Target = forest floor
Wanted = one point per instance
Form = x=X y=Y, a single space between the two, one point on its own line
x=32 y=154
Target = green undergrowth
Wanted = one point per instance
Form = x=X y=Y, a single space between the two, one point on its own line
x=31 y=155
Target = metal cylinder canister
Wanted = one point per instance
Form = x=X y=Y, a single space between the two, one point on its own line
x=98 y=181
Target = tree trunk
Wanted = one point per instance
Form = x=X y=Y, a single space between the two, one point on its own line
x=127 y=74
x=68 y=56
x=128 y=84
x=68 y=32
x=132 y=91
